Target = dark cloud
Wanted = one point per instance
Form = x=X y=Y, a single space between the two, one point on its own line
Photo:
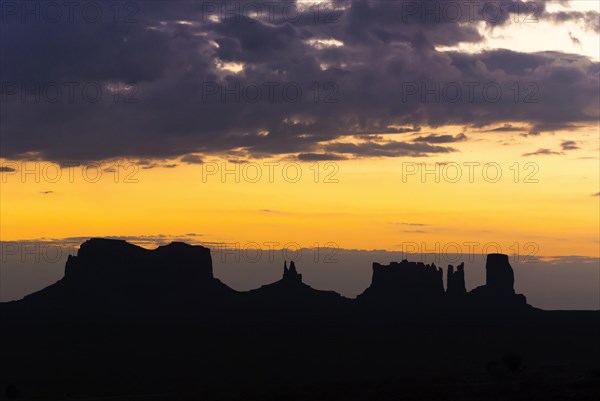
x=148 y=241
x=507 y=128
x=574 y=40
x=151 y=164
x=404 y=130
x=569 y=145
x=6 y=169
x=542 y=152
x=540 y=127
x=433 y=138
x=191 y=159
x=176 y=83
x=589 y=19
x=387 y=149
x=46 y=192
x=319 y=156
x=596 y=194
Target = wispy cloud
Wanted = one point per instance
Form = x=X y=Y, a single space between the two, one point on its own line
x=507 y=128
x=542 y=152
x=433 y=138
x=191 y=159
x=569 y=145
x=320 y=156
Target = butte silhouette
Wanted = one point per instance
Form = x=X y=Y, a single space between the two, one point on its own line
x=131 y=323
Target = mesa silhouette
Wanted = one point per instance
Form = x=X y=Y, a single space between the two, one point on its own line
x=115 y=277
x=131 y=323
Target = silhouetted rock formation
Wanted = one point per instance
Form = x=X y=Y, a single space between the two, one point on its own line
x=113 y=276
x=291 y=293
x=116 y=275
x=107 y=331
x=455 y=281
x=291 y=275
x=498 y=291
x=499 y=275
x=116 y=260
x=405 y=282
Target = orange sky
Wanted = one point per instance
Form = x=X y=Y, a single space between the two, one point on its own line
x=371 y=206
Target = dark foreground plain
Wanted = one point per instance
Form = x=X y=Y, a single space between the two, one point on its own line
x=131 y=324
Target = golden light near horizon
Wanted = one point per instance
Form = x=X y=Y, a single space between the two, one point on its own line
x=319 y=172
x=486 y=193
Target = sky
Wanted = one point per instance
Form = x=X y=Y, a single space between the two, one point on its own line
x=398 y=126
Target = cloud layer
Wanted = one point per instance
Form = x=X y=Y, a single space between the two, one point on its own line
x=185 y=77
